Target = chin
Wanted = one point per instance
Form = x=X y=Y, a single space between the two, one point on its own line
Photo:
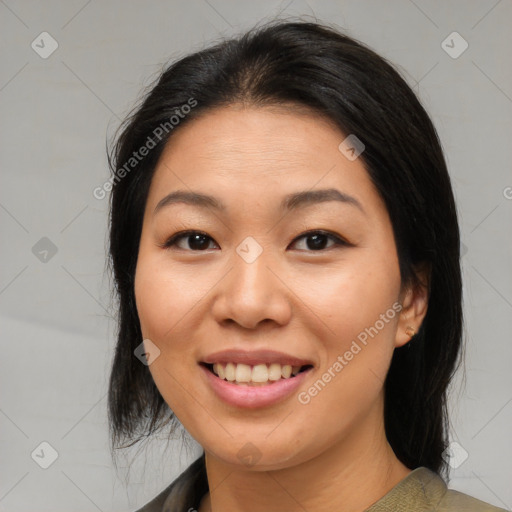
x=258 y=453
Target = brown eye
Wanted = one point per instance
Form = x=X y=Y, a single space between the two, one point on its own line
x=318 y=240
x=196 y=241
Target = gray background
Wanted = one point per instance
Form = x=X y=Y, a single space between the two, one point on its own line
x=56 y=112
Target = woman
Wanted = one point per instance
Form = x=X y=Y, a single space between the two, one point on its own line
x=285 y=248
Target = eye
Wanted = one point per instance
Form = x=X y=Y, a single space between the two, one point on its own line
x=197 y=240
x=317 y=240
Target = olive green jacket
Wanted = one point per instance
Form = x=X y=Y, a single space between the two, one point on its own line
x=421 y=490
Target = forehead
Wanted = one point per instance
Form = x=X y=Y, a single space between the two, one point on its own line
x=249 y=135
x=237 y=153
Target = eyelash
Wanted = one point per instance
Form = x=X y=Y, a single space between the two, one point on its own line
x=338 y=241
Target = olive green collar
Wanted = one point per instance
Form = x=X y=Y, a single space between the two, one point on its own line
x=421 y=487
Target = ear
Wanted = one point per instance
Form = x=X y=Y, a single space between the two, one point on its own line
x=414 y=300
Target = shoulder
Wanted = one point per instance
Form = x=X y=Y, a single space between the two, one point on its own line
x=184 y=493
x=443 y=499
x=423 y=489
x=456 y=501
x=157 y=503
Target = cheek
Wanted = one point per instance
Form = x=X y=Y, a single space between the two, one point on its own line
x=359 y=305
x=352 y=297
x=357 y=359
x=165 y=295
x=165 y=299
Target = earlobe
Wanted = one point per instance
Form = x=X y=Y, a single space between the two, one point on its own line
x=410 y=331
x=415 y=304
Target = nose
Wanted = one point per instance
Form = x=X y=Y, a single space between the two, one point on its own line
x=252 y=294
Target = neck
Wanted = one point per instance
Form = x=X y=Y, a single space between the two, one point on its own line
x=350 y=475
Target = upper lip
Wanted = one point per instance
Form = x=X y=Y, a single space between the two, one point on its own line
x=254 y=357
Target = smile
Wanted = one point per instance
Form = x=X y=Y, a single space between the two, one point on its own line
x=255 y=375
x=250 y=394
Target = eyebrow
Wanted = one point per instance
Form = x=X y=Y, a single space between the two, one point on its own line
x=289 y=202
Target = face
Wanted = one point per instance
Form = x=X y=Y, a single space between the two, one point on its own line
x=290 y=261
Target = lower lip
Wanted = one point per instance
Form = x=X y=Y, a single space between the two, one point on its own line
x=252 y=397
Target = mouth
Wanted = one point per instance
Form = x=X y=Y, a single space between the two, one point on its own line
x=262 y=374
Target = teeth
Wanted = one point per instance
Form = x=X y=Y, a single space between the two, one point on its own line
x=230 y=372
x=219 y=370
x=257 y=374
x=243 y=373
x=274 y=371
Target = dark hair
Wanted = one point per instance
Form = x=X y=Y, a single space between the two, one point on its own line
x=314 y=66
